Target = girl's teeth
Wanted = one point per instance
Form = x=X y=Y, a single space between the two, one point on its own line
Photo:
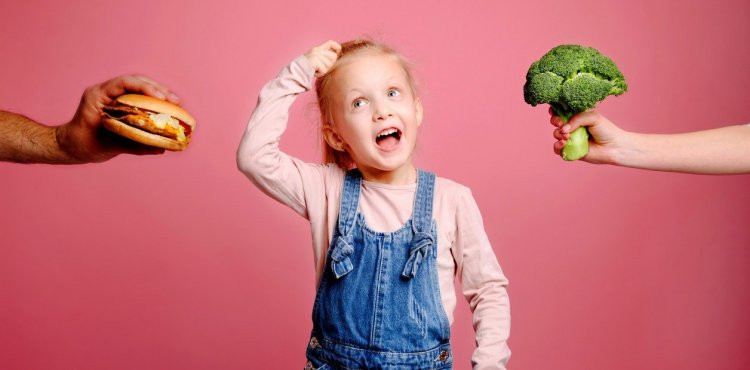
x=386 y=133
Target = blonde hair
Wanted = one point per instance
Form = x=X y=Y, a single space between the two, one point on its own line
x=323 y=87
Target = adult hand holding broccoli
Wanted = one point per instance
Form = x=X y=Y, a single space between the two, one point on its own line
x=572 y=79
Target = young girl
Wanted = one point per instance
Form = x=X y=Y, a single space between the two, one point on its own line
x=388 y=238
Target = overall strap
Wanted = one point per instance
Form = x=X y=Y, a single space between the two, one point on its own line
x=342 y=247
x=349 y=201
x=421 y=223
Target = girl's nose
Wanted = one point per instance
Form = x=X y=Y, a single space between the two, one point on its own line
x=381 y=112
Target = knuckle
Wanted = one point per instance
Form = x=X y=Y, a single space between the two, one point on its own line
x=92 y=91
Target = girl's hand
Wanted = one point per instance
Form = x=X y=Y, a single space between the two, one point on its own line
x=323 y=56
x=606 y=138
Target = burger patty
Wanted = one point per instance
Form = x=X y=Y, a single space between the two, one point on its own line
x=142 y=119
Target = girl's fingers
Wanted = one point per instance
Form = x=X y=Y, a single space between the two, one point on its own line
x=330 y=56
x=324 y=56
x=333 y=46
x=329 y=45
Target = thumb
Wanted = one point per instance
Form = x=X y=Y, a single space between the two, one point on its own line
x=587 y=119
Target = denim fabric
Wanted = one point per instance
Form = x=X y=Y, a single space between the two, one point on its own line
x=378 y=305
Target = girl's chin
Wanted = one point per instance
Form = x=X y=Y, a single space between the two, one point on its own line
x=391 y=166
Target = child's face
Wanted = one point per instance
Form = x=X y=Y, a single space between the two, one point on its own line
x=375 y=114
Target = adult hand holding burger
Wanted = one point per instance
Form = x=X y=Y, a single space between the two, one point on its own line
x=83 y=139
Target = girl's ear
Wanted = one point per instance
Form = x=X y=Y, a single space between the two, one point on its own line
x=332 y=138
x=419 y=111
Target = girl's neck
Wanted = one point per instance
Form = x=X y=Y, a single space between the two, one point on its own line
x=402 y=176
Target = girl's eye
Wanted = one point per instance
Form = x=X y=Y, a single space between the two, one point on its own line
x=393 y=93
x=358 y=103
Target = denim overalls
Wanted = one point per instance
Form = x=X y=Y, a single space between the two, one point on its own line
x=378 y=304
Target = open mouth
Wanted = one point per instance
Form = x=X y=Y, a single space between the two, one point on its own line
x=388 y=139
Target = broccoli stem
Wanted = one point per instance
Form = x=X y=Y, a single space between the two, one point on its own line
x=577 y=146
x=566 y=116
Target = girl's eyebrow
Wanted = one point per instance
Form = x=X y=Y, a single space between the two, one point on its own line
x=352 y=93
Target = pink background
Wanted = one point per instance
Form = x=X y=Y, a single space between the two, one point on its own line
x=178 y=262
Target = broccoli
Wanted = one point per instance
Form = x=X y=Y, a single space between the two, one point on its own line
x=572 y=79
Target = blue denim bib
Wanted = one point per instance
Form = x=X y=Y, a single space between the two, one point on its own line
x=378 y=304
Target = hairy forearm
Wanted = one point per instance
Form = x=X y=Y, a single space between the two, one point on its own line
x=23 y=140
x=723 y=150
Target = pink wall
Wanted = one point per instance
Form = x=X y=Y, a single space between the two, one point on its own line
x=178 y=262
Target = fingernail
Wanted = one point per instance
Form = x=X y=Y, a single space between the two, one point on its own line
x=160 y=95
x=566 y=129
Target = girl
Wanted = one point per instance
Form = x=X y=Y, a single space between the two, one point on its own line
x=388 y=238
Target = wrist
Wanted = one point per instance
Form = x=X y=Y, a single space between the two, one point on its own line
x=65 y=150
x=307 y=65
x=305 y=70
x=626 y=151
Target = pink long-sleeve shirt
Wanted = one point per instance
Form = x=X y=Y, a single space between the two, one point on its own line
x=314 y=190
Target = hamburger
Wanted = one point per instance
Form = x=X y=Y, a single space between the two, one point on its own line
x=149 y=121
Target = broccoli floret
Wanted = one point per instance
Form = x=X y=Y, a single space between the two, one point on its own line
x=572 y=79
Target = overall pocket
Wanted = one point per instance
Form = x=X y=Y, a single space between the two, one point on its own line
x=314 y=364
